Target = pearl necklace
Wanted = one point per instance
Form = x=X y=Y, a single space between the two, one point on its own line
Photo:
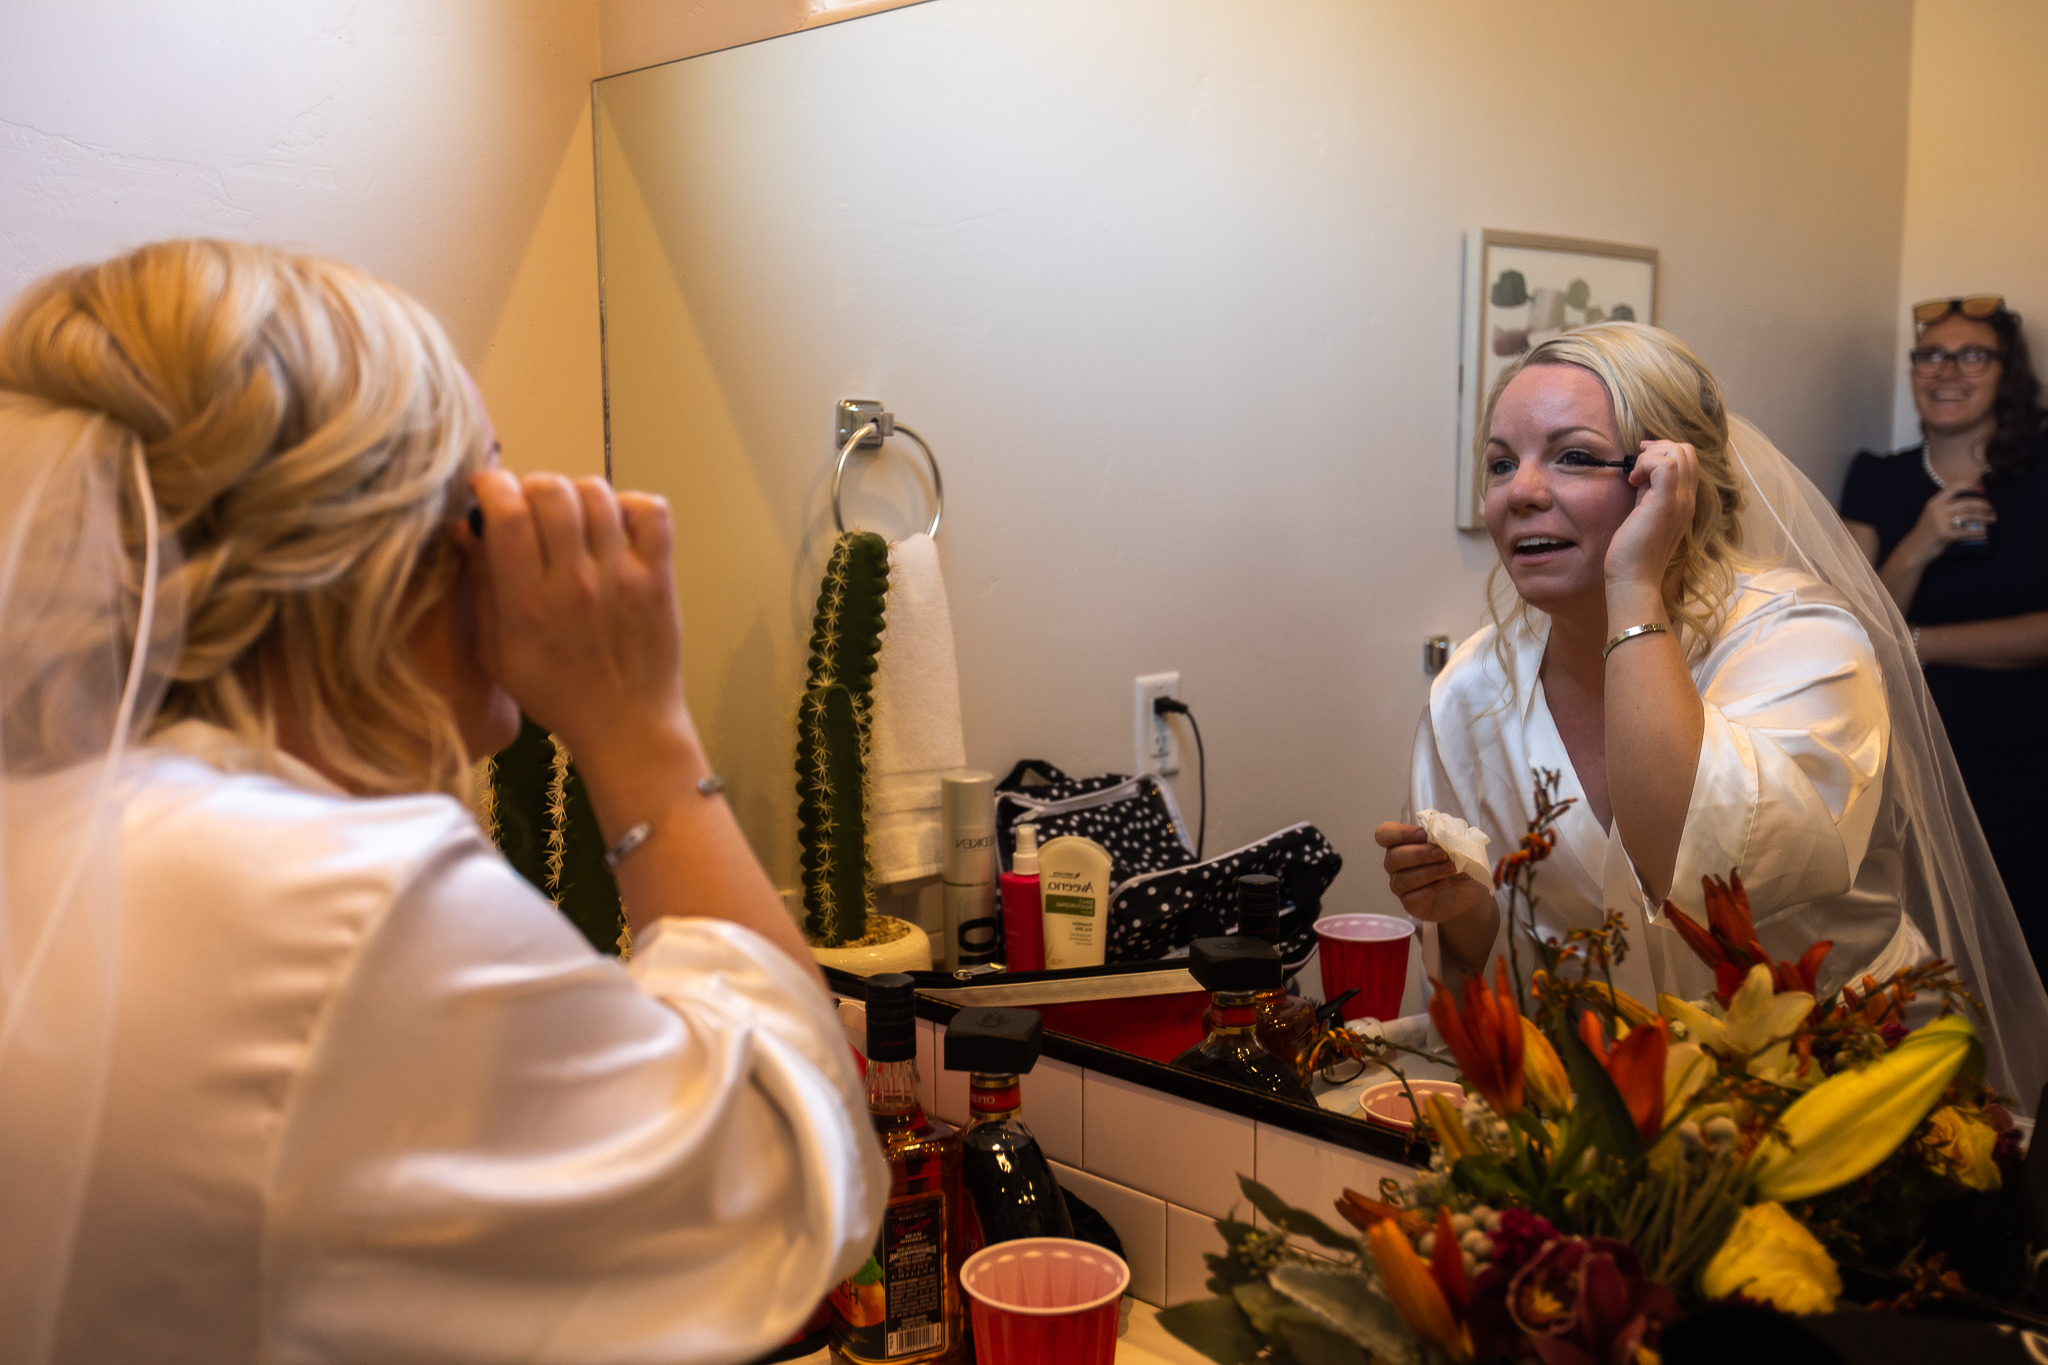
x=1927 y=463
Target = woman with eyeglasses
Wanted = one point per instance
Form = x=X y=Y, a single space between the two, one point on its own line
x=1957 y=526
x=1699 y=653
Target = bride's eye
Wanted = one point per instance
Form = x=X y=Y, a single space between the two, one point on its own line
x=1576 y=458
x=1500 y=466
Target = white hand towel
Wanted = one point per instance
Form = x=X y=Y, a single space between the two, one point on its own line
x=914 y=735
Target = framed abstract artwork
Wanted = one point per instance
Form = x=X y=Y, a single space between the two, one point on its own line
x=1521 y=289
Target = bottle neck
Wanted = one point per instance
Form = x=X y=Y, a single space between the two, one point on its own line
x=1236 y=1011
x=993 y=1095
x=893 y=1089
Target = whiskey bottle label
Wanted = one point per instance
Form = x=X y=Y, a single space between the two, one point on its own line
x=914 y=1260
x=895 y=1305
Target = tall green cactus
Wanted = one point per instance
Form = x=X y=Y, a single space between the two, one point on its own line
x=538 y=813
x=832 y=740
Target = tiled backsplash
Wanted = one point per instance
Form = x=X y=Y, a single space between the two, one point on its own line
x=1160 y=1168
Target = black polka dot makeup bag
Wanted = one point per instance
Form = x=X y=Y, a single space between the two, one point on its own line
x=1162 y=899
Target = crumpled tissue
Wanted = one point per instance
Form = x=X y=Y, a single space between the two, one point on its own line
x=1466 y=845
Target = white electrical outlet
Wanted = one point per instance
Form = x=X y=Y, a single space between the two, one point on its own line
x=1158 y=749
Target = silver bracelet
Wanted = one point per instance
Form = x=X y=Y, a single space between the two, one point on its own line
x=642 y=832
x=1916 y=644
x=1653 y=628
x=630 y=840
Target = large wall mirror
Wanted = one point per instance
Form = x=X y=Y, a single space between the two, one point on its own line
x=1172 y=287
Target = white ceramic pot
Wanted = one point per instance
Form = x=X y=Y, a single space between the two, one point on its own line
x=910 y=953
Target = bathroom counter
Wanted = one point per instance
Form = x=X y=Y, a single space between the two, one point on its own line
x=1143 y=1342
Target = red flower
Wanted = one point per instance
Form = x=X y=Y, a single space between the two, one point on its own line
x=1585 y=1301
x=1729 y=944
x=1485 y=1038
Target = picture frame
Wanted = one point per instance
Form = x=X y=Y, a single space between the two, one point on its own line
x=1522 y=288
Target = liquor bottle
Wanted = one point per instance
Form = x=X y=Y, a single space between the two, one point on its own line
x=1234 y=971
x=903 y=1306
x=1287 y=1023
x=1008 y=1183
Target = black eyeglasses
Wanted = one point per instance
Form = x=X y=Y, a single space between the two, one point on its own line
x=1978 y=306
x=1970 y=360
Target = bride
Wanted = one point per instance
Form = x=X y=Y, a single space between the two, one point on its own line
x=1697 y=648
x=294 y=1065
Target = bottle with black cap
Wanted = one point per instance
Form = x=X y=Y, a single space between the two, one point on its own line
x=1234 y=971
x=1008 y=1182
x=1287 y=1023
x=903 y=1306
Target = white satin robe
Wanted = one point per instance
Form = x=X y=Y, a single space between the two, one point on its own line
x=1787 y=791
x=374 y=1099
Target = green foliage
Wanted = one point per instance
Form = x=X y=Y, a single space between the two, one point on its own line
x=1289 y=1219
x=832 y=739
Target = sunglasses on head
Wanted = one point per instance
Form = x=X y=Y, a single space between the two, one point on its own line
x=1977 y=306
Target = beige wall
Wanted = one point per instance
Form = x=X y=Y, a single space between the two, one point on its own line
x=445 y=146
x=639 y=33
x=1976 y=218
x=1173 y=286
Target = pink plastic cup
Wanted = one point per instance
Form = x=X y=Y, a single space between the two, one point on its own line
x=1369 y=952
x=1044 y=1301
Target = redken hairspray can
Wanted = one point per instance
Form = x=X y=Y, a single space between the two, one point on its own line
x=968 y=832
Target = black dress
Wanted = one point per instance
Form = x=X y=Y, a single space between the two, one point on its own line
x=1997 y=719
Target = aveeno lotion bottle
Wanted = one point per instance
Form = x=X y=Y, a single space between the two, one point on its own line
x=1073 y=884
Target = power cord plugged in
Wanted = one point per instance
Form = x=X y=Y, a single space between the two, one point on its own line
x=1173 y=706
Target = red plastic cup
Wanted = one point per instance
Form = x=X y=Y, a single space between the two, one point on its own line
x=1044 y=1301
x=1369 y=952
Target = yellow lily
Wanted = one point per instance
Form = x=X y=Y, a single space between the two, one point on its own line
x=1451 y=1133
x=1848 y=1123
x=1687 y=1069
x=1543 y=1075
x=1770 y=1257
x=1755 y=1029
x=1962 y=1146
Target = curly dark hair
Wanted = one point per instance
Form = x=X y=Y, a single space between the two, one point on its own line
x=2017 y=403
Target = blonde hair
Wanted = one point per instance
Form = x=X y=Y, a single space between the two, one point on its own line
x=305 y=428
x=1661 y=391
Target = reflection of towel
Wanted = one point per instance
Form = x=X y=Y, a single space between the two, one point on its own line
x=915 y=735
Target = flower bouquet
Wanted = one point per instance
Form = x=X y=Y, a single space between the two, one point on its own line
x=1614 y=1166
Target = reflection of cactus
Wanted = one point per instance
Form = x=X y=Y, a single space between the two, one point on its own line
x=1511 y=290
x=1578 y=294
x=832 y=739
x=541 y=819
x=1621 y=312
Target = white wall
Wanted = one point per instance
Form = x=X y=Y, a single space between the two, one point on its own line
x=1976 y=214
x=445 y=146
x=1173 y=287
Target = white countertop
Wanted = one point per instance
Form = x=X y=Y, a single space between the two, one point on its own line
x=1142 y=1342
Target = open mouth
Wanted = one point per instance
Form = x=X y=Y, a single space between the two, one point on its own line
x=1536 y=547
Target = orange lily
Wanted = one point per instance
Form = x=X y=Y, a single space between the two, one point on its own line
x=1636 y=1066
x=1729 y=943
x=1365 y=1213
x=1485 y=1038
x=1417 y=1293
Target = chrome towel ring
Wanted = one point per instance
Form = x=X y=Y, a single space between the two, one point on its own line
x=863 y=424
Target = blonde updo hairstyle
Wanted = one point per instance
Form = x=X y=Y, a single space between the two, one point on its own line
x=1661 y=392
x=307 y=431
